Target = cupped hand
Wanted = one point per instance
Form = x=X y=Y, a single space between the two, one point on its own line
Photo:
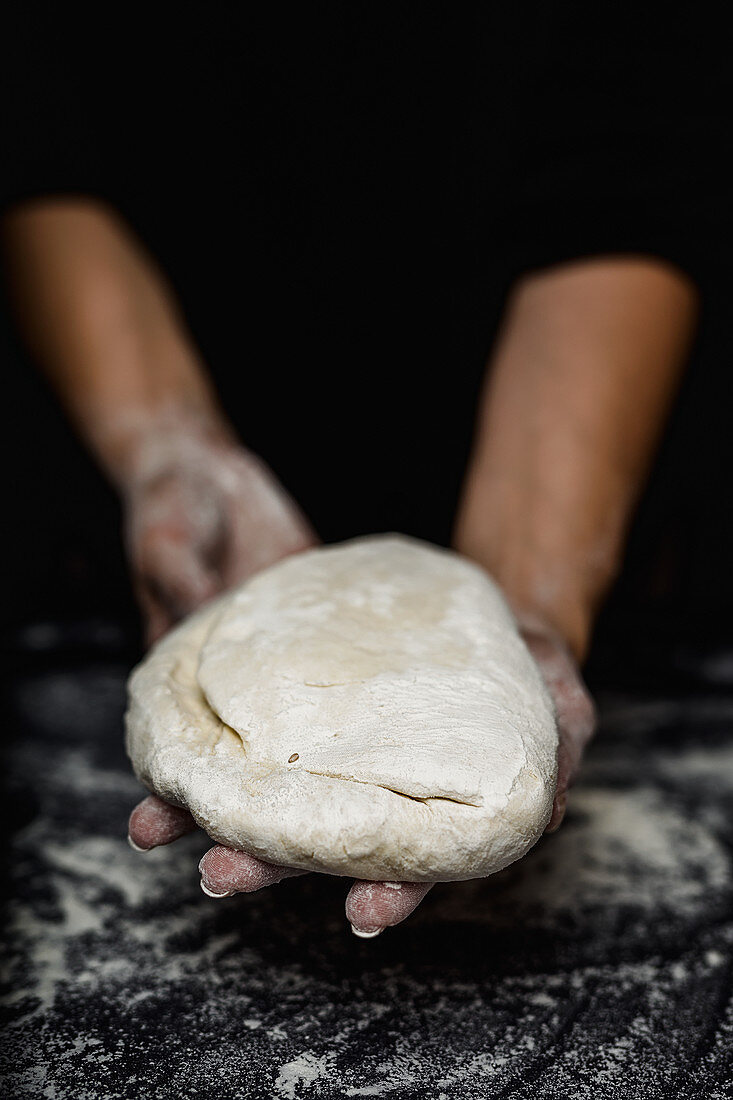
x=574 y=709
x=202 y=515
x=373 y=906
x=370 y=906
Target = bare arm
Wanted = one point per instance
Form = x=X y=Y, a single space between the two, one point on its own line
x=578 y=391
x=202 y=512
x=580 y=384
x=105 y=328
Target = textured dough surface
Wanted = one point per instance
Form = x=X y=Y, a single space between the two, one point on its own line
x=365 y=709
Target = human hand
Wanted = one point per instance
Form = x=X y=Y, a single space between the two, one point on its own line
x=201 y=515
x=372 y=906
x=574 y=709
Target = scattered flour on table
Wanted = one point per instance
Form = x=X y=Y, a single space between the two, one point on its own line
x=305 y=1070
x=116 y=961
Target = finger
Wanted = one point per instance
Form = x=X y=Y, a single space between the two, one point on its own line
x=569 y=753
x=154 y=822
x=576 y=714
x=157 y=621
x=576 y=718
x=226 y=871
x=574 y=710
x=176 y=576
x=559 y=806
x=373 y=906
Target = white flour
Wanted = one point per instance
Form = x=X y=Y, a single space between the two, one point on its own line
x=585 y=971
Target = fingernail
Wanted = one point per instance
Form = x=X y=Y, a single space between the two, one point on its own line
x=366 y=935
x=134 y=846
x=212 y=893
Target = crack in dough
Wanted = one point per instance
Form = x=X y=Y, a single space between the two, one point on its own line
x=394 y=790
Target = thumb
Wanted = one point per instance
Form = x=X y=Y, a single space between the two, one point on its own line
x=175 y=575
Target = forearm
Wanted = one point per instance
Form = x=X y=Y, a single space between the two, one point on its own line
x=103 y=324
x=579 y=388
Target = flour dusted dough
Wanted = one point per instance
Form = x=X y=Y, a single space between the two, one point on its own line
x=367 y=709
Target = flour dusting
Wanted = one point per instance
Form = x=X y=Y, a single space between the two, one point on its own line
x=600 y=966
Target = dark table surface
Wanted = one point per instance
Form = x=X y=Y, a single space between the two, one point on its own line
x=599 y=966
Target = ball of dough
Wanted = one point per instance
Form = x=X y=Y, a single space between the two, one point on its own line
x=364 y=709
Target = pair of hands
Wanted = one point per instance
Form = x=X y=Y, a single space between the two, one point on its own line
x=201 y=518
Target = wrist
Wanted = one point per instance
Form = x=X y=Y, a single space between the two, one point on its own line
x=553 y=551
x=548 y=598
x=142 y=445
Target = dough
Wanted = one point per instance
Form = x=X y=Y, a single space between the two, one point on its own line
x=366 y=709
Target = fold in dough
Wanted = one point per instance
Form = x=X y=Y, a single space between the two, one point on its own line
x=365 y=709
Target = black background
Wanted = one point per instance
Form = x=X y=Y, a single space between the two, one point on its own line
x=342 y=199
